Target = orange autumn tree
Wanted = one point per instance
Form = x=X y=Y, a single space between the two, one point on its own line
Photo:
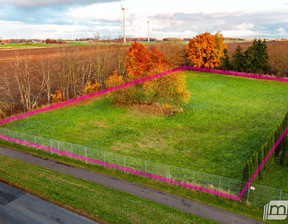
x=91 y=87
x=169 y=91
x=206 y=50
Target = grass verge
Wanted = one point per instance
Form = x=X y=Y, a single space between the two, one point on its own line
x=227 y=204
x=94 y=201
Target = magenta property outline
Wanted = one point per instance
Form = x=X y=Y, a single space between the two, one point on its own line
x=137 y=171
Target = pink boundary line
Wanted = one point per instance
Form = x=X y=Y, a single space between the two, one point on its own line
x=119 y=167
x=248 y=75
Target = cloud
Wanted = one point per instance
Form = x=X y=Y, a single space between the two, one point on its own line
x=179 y=20
x=237 y=24
x=41 y=3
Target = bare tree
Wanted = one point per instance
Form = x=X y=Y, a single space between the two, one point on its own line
x=103 y=63
x=29 y=89
x=6 y=85
x=45 y=70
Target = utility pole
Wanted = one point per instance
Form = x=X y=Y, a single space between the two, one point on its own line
x=148 y=31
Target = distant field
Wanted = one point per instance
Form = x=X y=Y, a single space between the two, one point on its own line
x=238 y=41
x=72 y=43
x=226 y=119
x=29 y=45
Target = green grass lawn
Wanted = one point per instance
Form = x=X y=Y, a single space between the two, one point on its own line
x=225 y=121
x=97 y=202
x=276 y=177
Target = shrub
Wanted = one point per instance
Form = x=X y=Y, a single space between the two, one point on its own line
x=57 y=97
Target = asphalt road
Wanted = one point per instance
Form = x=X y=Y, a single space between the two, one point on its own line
x=19 y=207
x=186 y=205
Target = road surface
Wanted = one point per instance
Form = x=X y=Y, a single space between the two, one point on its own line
x=19 y=207
x=184 y=204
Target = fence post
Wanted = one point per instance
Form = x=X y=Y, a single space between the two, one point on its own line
x=22 y=136
x=58 y=146
x=280 y=195
x=35 y=140
x=71 y=148
x=124 y=162
x=248 y=192
x=145 y=166
x=219 y=184
x=169 y=174
x=193 y=177
x=104 y=157
x=51 y=145
x=9 y=133
x=86 y=153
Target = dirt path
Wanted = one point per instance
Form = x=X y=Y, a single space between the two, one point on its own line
x=186 y=205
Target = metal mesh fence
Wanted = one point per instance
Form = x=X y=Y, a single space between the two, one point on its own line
x=256 y=194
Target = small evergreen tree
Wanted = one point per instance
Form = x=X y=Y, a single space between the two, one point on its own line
x=261 y=157
x=245 y=176
x=225 y=61
x=238 y=60
x=256 y=57
x=284 y=156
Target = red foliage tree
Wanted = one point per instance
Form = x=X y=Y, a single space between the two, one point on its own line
x=170 y=90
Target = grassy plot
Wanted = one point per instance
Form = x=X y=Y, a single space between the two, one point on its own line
x=226 y=119
x=276 y=177
x=95 y=201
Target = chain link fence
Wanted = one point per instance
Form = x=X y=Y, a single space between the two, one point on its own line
x=256 y=195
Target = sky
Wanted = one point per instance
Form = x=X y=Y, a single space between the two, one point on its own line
x=70 y=19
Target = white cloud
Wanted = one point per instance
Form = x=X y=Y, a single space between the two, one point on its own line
x=183 y=18
x=39 y=3
x=241 y=30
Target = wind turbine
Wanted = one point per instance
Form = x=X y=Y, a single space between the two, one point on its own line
x=148 y=31
x=123 y=9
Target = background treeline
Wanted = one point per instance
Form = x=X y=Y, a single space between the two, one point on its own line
x=253 y=60
x=28 y=81
x=280 y=155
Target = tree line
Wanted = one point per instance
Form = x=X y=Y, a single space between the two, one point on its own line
x=210 y=51
x=254 y=60
x=27 y=83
